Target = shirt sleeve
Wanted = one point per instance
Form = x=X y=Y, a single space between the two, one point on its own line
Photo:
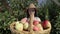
x=37 y=18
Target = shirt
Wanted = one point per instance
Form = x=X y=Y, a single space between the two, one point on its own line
x=27 y=19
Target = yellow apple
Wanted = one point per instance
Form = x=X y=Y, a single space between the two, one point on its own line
x=40 y=27
x=19 y=26
x=25 y=26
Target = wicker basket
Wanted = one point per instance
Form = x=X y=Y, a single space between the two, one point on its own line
x=30 y=31
x=14 y=31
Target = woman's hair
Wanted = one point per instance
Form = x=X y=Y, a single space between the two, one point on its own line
x=28 y=13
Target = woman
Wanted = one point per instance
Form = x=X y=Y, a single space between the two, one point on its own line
x=31 y=8
x=36 y=20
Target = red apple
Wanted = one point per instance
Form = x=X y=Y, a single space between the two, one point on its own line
x=35 y=28
x=46 y=24
x=35 y=22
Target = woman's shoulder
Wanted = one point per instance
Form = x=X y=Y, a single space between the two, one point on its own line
x=37 y=18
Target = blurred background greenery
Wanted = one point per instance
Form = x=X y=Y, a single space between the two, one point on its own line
x=10 y=10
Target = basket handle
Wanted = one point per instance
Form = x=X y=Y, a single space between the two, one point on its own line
x=31 y=22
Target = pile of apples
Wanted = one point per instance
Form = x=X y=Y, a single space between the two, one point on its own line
x=21 y=25
x=37 y=26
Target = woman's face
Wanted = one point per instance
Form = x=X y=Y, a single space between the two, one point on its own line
x=31 y=10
